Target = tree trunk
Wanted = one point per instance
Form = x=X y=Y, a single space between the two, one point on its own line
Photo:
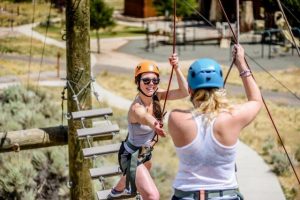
x=215 y=11
x=78 y=71
x=247 y=18
x=98 y=41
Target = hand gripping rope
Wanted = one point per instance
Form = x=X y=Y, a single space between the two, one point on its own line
x=155 y=138
x=268 y=111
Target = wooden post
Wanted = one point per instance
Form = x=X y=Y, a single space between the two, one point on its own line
x=247 y=17
x=33 y=138
x=58 y=64
x=78 y=71
x=36 y=138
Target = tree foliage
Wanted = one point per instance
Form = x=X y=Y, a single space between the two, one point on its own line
x=183 y=8
x=100 y=17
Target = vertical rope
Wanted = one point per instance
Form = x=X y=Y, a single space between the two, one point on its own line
x=174 y=51
x=44 y=45
x=155 y=137
x=268 y=111
x=290 y=30
x=30 y=49
x=237 y=21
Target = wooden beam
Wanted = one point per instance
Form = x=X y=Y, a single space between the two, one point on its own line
x=36 y=138
x=33 y=138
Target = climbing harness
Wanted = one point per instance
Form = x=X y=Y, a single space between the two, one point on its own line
x=208 y=194
x=131 y=161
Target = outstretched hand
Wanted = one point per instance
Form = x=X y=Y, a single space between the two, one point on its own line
x=158 y=128
x=174 y=60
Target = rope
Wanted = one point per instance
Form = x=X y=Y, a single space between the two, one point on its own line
x=290 y=30
x=268 y=111
x=30 y=49
x=238 y=21
x=43 y=50
x=290 y=12
x=155 y=137
x=289 y=90
x=174 y=50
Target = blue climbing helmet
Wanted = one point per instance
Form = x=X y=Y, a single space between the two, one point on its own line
x=205 y=73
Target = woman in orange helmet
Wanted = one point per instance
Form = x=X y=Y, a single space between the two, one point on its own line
x=144 y=122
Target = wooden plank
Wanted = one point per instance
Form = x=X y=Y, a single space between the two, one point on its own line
x=91 y=113
x=101 y=131
x=101 y=150
x=103 y=195
x=105 y=171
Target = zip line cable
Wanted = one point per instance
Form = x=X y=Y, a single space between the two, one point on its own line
x=269 y=113
x=289 y=28
x=289 y=90
x=290 y=12
x=43 y=50
x=238 y=21
x=30 y=48
x=270 y=74
x=237 y=39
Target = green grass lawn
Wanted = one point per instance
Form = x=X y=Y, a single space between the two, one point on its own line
x=21 y=45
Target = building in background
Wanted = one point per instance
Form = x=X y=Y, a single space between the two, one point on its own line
x=139 y=8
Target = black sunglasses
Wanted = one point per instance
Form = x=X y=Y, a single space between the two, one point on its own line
x=147 y=81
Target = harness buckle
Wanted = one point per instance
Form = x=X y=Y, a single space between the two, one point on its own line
x=144 y=151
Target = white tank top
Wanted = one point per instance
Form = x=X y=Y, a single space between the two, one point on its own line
x=205 y=164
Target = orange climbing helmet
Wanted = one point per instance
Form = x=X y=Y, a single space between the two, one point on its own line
x=146 y=66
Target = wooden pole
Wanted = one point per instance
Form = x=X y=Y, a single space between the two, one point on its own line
x=78 y=71
x=36 y=138
x=58 y=64
x=33 y=138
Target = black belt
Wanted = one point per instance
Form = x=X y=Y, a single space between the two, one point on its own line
x=206 y=194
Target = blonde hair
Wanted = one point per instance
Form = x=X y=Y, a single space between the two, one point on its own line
x=210 y=102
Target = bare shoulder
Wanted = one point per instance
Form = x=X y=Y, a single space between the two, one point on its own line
x=179 y=114
x=182 y=127
x=180 y=118
x=136 y=110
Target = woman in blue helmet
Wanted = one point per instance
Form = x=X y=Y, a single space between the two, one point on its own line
x=206 y=137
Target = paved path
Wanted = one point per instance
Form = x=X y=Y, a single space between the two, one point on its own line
x=255 y=179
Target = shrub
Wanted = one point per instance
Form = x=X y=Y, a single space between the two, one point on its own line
x=280 y=163
x=268 y=145
x=44 y=169
x=23 y=109
x=297 y=154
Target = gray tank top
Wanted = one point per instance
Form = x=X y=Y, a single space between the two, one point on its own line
x=139 y=134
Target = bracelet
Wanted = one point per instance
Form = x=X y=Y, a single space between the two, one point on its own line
x=245 y=73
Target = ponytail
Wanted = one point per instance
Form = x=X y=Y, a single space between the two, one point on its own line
x=157 y=111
